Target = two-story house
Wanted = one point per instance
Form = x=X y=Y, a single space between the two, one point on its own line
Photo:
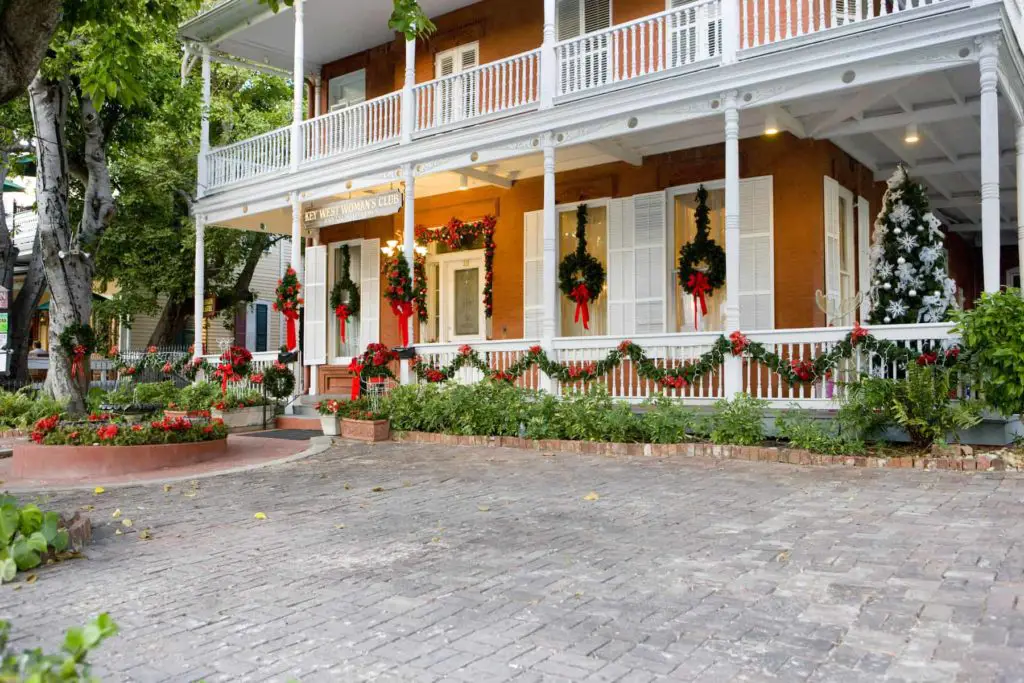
x=791 y=113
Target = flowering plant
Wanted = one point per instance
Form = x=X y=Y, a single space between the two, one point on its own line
x=239 y=400
x=51 y=431
x=328 y=407
x=239 y=358
x=739 y=343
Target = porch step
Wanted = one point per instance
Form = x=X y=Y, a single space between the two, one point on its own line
x=298 y=421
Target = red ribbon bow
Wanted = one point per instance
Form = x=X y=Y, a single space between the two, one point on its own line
x=356 y=368
x=581 y=295
x=77 y=358
x=291 y=334
x=227 y=373
x=404 y=312
x=698 y=286
x=343 y=315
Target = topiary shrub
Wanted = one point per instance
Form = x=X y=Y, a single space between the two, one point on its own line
x=993 y=338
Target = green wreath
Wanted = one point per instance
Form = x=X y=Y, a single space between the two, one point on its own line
x=346 y=292
x=278 y=381
x=702 y=261
x=580 y=269
x=77 y=336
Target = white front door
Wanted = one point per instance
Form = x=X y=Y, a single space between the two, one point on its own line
x=462 y=291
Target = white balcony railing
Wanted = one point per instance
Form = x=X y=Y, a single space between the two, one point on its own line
x=259 y=156
x=484 y=90
x=348 y=130
x=681 y=36
x=770 y=21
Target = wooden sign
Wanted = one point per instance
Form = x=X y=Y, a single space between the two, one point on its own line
x=348 y=210
x=209 y=307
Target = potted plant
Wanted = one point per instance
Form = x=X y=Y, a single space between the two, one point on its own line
x=240 y=408
x=329 y=416
x=361 y=422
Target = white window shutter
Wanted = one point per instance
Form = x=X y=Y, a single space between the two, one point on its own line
x=369 y=292
x=533 y=274
x=597 y=15
x=833 y=291
x=864 y=254
x=757 y=260
x=649 y=262
x=621 y=273
x=315 y=307
x=568 y=19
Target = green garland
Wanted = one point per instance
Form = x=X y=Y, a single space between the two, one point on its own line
x=346 y=292
x=77 y=339
x=580 y=268
x=795 y=371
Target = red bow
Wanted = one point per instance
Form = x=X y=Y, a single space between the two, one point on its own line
x=227 y=373
x=77 y=356
x=404 y=312
x=581 y=295
x=698 y=286
x=356 y=368
x=292 y=337
x=343 y=314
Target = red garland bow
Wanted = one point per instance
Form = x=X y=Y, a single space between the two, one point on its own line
x=581 y=295
x=356 y=368
x=403 y=311
x=77 y=357
x=227 y=373
x=291 y=334
x=343 y=315
x=698 y=286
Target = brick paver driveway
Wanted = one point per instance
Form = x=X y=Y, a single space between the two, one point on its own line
x=417 y=563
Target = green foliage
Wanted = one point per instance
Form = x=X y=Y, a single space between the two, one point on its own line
x=70 y=665
x=739 y=422
x=667 y=421
x=410 y=20
x=804 y=432
x=21 y=409
x=921 y=403
x=27 y=536
x=198 y=396
x=993 y=336
x=160 y=393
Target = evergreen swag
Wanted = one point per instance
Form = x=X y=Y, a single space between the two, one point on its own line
x=794 y=372
x=399 y=292
x=702 y=261
x=287 y=302
x=345 y=295
x=580 y=275
x=909 y=280
x=458 y=235
x=77 y=342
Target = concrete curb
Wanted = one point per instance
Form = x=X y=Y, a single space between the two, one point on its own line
x=317 y=445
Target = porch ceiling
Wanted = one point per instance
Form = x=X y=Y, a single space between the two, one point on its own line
x=333 y=29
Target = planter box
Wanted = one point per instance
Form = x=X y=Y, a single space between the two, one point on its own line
x=330 y=424
x=366 y=430
x=32 y=461
x=175 y=414
x=243 y=417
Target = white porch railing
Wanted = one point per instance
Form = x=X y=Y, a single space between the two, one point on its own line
x=484 y=90
x=676 y=350
x=348 y=130
x=259 y=156
x=260 y=362
x=763 y=22
x=678 y=37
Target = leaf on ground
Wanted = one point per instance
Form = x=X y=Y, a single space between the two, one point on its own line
x=783 y=556
x=260 y=515
x=145 y=535
x=483 y=508
x=339 y=526
x=118 y=532
x=98 y=490
x=435 y=539
x=88 y=508
x=126 y=522
x=167 y=487
x=116 y=513
x=592 y=496
x=347 y=486
x=31 y=578
x=377 y=489
x=548 y=455
x=190 y=494
x=406 y=484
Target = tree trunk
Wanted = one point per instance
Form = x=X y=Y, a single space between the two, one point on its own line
x=173 y=319
x=8 y=252
x=23 y=309
x=26 y=27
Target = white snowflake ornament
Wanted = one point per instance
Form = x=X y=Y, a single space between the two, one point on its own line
x=896 y=308
x=907 y=242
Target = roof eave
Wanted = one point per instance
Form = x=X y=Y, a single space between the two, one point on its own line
x=223 y=20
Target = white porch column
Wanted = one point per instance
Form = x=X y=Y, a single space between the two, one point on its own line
x=733 y=366
x=298 y=88
x=408 y=99
x=199 y=288
x=1020 y=197
x=318 y=107
x=409 y=244
x=204 y=129
x=730 y=30
x=988 y=63
x=550 y=322
x=296 y=258
x=548 y=58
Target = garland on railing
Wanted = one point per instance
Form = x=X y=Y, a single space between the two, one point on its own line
x=793 y=371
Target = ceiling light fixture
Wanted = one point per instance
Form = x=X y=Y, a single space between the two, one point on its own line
x=771 y=123
x=911 y=136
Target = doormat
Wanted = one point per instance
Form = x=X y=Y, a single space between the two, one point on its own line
x=287 y=434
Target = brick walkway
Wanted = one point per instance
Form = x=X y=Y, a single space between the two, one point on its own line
x=490 y=565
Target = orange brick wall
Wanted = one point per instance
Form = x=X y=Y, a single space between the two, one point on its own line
x=797 y=166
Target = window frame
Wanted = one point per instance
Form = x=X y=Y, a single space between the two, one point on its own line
x=348 y=75
x=583 y=22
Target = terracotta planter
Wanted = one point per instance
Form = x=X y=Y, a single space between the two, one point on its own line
x=366 y=430
x=32 y=461
x=175 y=414
x=330 y=424
x=243 y=417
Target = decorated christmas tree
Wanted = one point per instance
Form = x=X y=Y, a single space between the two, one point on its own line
x=909 y=279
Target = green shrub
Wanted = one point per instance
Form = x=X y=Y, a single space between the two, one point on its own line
x=71 y=665
x=581 y=416
x=739 y=422
x=667 y=421
x=198 y=396
x=27 y=535
x=161 y=393
x=993 y=337
x=22 y=409
x=804 y=432
x=542 y=418
x=920 y=403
